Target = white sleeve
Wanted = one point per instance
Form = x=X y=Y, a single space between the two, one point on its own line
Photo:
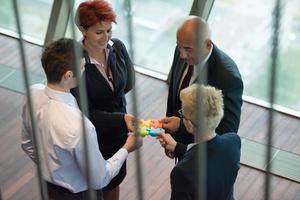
x=101 y=170
x=26 y=142
x=27 y=139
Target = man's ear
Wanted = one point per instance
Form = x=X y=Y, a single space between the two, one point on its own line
x=68 y=74
x=208 y=43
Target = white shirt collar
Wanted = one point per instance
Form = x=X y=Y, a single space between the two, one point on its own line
x=207 y=57
x=190 y=146
x=198 y=68
x=64 y=97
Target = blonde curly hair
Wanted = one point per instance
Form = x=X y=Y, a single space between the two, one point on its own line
x=211 y=100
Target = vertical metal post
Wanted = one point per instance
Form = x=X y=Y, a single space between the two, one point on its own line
x=201 y=153
x=130 y=28
x=134 y=100
x=83 y=104
x=202 y=9
x=274 y=55
x=58 y=21
x=42 y=185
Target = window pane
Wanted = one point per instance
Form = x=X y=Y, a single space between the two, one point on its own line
x=155 y=31
x=34 y=21
x=243 y=29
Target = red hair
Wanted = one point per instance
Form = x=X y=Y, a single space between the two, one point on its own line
x=90 y=12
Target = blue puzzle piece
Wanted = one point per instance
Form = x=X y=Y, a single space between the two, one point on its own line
x=154 y=131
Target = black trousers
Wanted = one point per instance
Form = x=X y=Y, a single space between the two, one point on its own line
x=56 y=192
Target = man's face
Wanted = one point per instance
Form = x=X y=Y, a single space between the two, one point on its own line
x=189 y=50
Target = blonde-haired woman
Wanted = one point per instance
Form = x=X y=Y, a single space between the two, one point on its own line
x=223 y=151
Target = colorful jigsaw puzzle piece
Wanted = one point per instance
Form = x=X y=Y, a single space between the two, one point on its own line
x=155 y=131
x=150 y=127
x=156 y=124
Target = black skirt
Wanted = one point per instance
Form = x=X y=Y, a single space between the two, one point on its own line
x=117 y=180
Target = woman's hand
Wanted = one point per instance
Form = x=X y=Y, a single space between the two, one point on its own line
x=168 y=143
x=130 y=122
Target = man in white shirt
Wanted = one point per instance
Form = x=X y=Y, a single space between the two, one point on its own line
x=60 y=132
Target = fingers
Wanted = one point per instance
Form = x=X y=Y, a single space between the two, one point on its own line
x=164 y=120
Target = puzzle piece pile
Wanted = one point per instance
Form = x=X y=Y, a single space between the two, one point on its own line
x=150 y=127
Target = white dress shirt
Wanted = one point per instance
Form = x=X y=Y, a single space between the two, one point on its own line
x=59 y=127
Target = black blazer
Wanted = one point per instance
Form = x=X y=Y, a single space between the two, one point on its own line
x=223 y=160
x=106 y=106
x=223 y=74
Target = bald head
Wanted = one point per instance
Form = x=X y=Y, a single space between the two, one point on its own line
x=193 y=30
x=191 y=26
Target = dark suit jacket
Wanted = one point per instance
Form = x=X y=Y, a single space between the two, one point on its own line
x=223 y=159
x=106 y=106
x=223 y=74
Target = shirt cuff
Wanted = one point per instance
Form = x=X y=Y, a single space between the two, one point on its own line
x=120 y=156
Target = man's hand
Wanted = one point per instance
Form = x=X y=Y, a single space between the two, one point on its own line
x=170 y=124
x=130 y=121
x=168 y=143
x=133 y=142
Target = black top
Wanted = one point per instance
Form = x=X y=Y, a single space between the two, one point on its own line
x=223 y=74
x=106 y=106
x=223 y=159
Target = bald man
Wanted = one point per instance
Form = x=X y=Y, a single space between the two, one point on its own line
x=189 y=62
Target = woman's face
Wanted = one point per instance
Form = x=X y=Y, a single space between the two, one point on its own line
x=98 y=35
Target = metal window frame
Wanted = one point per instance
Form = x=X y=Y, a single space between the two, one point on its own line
x=58 y=21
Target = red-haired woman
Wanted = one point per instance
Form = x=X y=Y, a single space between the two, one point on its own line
x=109 y=76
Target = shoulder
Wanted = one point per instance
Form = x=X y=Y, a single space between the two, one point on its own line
x=61 y=123
x=117 y=43
x=39 y=98
x=231 y=136
x=224 y=64
x=37 y=89
x=230 y=142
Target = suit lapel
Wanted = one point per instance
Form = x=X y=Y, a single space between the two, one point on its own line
x=201 y=72
x=92 y=70
x=207 y=66
x=181 y=67
x=111 y=64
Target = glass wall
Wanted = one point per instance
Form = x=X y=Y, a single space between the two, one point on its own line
x=34 y=16
x=154 y=30
x=243 y=29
